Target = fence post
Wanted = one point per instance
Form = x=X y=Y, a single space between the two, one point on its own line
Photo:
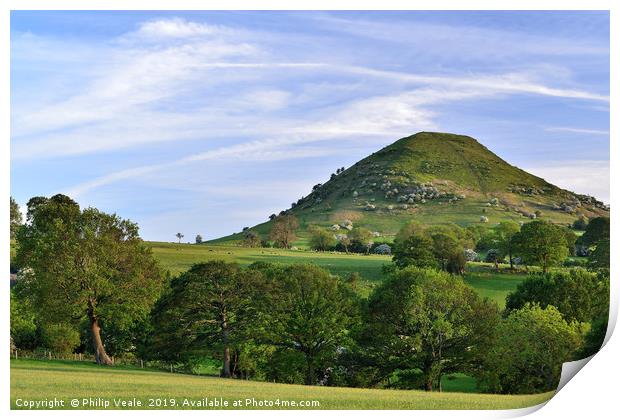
x=49 y=355
x=141 y=362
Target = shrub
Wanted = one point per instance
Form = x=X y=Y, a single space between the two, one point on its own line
x=530 y=347
x=60 y=338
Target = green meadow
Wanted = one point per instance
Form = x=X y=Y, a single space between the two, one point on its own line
x=34 y=380
x=179 y=257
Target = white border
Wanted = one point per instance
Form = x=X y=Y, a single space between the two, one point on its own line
x=591 y=394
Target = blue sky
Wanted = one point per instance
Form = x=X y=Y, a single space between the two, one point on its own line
x=205 y=122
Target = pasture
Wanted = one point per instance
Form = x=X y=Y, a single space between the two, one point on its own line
x=180 y=257
x=66 y=380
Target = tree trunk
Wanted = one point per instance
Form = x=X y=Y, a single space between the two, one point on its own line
x=428 y=376
x=101 y=356
x=226 y=358
x=309 y=371
x=510 y=259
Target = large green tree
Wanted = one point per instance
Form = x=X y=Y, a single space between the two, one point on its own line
x=85 y=264
x=578 y=294
x=308 y=312
x=414 y=250
x=504 y=234
x=427 y=320
x=597 y=229
x=541 y=243
x=527 y=355
x=205 y=312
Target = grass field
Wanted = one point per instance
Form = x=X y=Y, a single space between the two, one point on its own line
x=34 y=380
x=179 y=257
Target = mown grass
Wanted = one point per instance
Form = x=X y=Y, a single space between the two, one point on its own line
x=37 y=379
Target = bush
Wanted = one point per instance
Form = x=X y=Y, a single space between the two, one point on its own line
x=530 y=347
x=60 y=338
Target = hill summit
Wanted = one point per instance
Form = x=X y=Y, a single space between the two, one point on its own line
x=436 y=178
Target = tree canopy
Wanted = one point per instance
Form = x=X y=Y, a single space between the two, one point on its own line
x=541 y=243
x=85 y=264
x=528 y=352
x=427 y=321
x=205 y=312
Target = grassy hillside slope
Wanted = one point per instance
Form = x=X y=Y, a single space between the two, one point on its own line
x=435 y=178
x=35 y=380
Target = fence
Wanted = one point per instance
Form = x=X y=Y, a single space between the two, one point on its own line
x=42 y=354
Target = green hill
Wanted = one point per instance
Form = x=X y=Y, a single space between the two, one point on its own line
x=435 y=178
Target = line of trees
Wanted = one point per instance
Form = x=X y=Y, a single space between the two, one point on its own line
x=87 y=276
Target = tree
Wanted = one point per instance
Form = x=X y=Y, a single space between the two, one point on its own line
x=345 y=241
x=427 y=320
x=206 y=310
x=198 y=239
x=600 y=257
x=541 y=243
x=283 y=230
x=598 y=229
x=251 y=239
x=85 y=265
x=307 y=312
x=504 y=234
x=527 y=355
x=416 y=250
x=445 y=248
x=361 y=239
x=321 y=239
x=16 y=217
x=571 y=241
x=581 y=223
x=179 y=236
x=579 y=295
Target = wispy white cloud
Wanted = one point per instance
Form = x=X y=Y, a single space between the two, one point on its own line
x=578 y=130
x=581 y=176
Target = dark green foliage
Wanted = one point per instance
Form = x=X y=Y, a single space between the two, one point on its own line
x=598 y=229
x=205 y=313
x=60 y=338
x=571 y=240
x=426 y=320
x=600 y=257
x=198 y=239
x=541 y=243
x=306 y=313
x=416 y=250
x=579 y=295
x=595 y=337
x=581 y=223
x=85 y=265
x=528 y=352
x=23 y=325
